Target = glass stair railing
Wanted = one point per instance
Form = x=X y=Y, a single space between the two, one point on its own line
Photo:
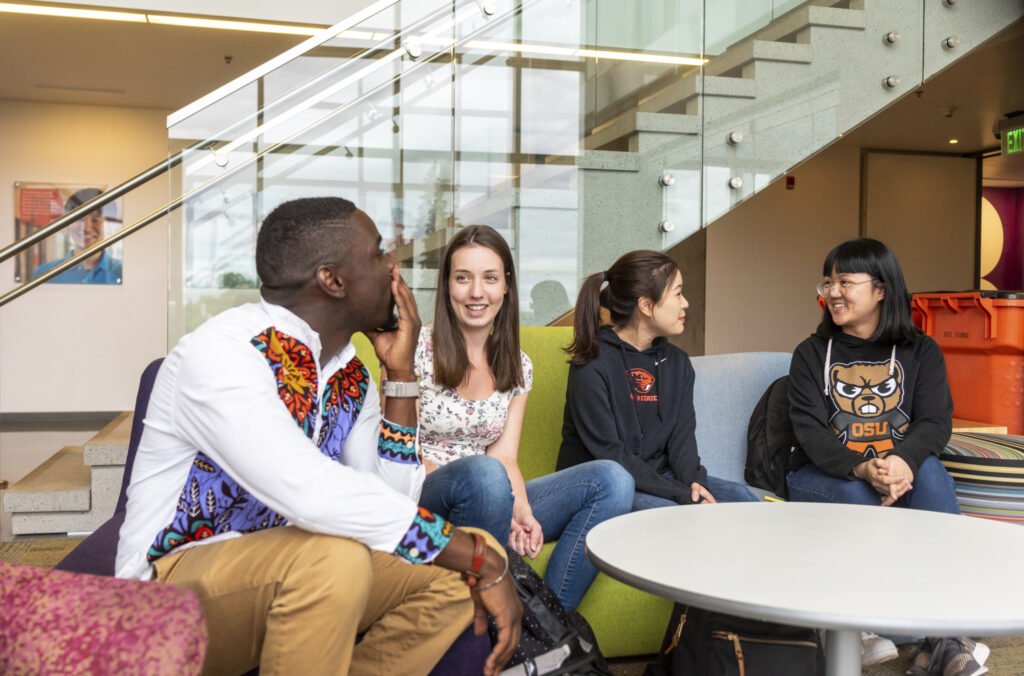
x=580 y=129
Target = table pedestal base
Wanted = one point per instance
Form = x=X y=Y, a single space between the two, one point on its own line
x=842 y=652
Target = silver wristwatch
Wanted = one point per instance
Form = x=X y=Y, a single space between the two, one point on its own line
x=400 y=388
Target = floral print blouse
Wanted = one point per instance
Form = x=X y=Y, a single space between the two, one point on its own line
x=452 y=427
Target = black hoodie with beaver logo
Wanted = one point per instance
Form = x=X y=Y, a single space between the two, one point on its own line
x=860 y=399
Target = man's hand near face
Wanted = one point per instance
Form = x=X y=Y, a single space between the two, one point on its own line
x=396 y=350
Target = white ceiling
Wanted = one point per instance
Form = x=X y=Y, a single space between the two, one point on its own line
x=123 y=64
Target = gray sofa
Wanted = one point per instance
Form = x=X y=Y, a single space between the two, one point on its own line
x=727 y=388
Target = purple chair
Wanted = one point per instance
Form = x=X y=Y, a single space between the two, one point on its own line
x=55 y=622
x=97 y=552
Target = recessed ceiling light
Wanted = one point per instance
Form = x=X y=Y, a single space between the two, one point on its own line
x=954 y=141
x=164 y=19
x=70 y=88
x=71 y=12
x=233 y=25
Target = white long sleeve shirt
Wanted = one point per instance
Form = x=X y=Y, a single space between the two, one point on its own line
x=229 y=398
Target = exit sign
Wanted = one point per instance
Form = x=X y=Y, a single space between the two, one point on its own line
x=1012 y=132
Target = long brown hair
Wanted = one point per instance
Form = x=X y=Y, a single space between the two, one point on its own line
x=451 y=362
x=635 y=275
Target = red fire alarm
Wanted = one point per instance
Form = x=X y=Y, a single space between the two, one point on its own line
x=790 y=182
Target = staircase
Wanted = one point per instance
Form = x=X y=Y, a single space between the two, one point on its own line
x=668 y=150
x=76 y=489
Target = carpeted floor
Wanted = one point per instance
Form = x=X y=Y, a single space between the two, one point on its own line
x=1007 y=657
x=45 y=553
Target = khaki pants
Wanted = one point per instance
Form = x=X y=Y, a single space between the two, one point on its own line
x=293 y=602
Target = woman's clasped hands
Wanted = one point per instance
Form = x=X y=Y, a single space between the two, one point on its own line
x=891 y=477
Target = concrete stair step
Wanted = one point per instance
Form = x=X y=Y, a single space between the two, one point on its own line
x=75 y=490
x=61 y=484
x=793 y=24
x=686 y=90
x=730 y=75
x=40 y=523
x=752 y=51
x=110 y=445
x=634 y=122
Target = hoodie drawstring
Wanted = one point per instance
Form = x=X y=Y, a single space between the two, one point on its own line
x=828 y=360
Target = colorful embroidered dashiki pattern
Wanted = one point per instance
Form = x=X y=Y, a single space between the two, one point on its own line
x=212 y=502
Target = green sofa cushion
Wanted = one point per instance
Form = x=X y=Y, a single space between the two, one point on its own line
x=542 y=425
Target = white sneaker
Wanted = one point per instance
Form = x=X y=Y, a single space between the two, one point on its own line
x=980 y=653
x=875 y=649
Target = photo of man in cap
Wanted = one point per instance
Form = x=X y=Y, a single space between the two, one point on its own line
x=101 y=268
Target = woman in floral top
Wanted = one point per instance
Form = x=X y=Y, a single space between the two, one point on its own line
x=474 y=381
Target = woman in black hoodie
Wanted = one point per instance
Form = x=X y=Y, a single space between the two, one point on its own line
x=629 y=396
x=871 y=410
x=869 y=401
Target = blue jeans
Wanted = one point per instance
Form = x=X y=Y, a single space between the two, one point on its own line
x=722 y=489
x=475 y=491
x=933 y=488
x=472 y=491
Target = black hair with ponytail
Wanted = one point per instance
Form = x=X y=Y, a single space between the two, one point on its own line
x=635 y=275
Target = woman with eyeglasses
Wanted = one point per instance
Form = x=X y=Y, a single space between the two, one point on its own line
x=869 y=400
x=870 y=404
x=629 y=397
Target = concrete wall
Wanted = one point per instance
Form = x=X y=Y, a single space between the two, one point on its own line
x=764 y=257
x=81 y=348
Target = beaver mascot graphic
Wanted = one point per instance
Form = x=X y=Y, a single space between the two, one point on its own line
x=868 y=398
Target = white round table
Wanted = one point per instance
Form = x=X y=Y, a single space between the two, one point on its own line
x=842 y=568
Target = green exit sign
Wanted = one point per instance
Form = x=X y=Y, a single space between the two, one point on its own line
x=1012 y=132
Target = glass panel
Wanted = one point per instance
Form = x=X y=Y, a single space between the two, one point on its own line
x=518 y=125
x=771 y=102
x=324 y=123
x=579 y=130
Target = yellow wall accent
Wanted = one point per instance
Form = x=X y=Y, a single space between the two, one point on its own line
x=991 y=241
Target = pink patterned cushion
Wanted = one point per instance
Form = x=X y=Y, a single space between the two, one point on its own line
x=69 y=623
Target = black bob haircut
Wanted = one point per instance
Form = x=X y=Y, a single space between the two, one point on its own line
x=298 y=237
x=895 y=326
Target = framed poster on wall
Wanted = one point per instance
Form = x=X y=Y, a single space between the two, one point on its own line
x=36 y=205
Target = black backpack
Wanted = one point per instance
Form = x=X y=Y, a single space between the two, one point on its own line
x=704 y=643
x=553 y=640
x=771 y=444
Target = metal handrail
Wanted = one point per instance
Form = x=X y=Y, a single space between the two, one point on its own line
x=318 y=80
x=92 y=205
x=177 y=158
x=178 y=201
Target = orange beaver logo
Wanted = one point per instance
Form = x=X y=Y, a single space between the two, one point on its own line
x=642 y=380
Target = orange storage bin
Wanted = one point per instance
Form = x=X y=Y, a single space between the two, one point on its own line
x=981 y=334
